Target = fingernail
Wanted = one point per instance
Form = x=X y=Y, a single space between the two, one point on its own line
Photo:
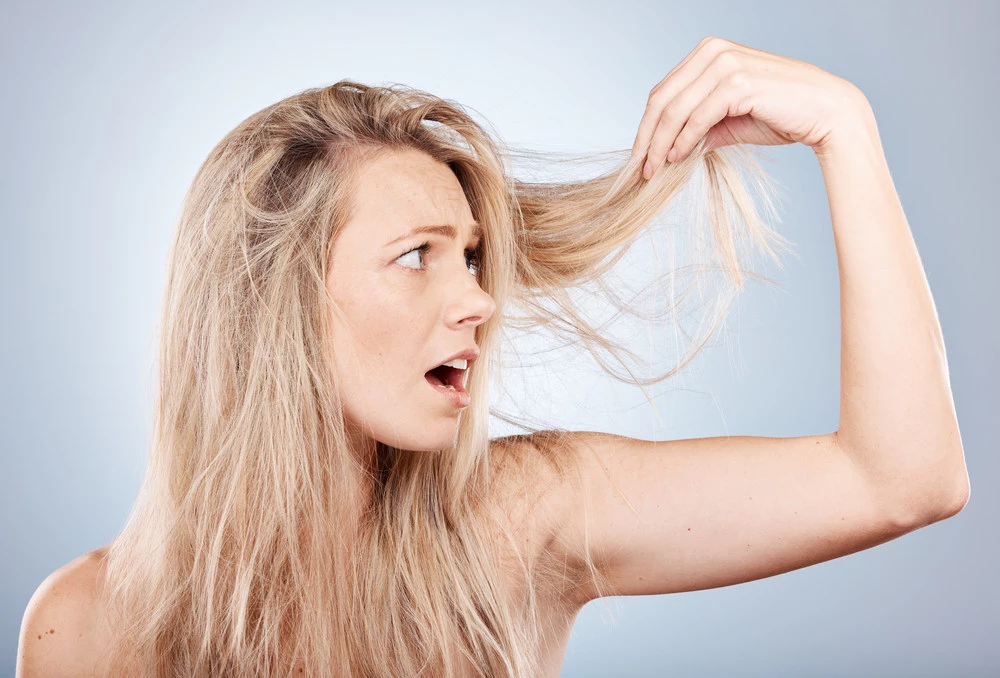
x=647 y=170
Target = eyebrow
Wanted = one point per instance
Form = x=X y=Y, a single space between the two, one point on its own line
x=447 y=230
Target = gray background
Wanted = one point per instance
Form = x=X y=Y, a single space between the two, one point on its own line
x=109 y=108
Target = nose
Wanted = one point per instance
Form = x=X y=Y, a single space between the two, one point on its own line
x=472 y=306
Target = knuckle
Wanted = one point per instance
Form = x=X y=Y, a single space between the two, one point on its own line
x=694 y=123
x=727 y=60
x=671 y=113
x=714 y=42
x=678 y=107
x=737 y=80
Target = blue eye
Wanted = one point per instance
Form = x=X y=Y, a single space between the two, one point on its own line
x=471 y=257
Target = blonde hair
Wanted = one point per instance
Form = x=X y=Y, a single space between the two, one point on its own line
x=243 y=555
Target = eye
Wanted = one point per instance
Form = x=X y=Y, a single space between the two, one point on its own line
x=471 y=257
x=422 y=250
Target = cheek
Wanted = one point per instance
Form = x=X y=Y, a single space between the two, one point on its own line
x=382 y=342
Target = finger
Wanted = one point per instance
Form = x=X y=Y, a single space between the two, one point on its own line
x=679 y=77
x=676 y=113
x=730 y=97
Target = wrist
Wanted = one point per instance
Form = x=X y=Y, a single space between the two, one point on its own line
x=854 y=130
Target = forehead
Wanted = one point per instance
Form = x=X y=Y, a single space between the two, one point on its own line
x=398 y=190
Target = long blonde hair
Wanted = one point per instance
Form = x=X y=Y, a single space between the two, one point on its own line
x=248 y=552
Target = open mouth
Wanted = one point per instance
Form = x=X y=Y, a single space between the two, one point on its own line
x=446 y=377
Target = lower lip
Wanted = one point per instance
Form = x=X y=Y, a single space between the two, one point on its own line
x=458 y=396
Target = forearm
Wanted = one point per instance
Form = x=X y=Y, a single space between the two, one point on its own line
x=897 y=416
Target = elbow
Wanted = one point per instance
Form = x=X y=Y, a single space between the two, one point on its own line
x=940 y=497
x=961 y=493
x=960 y=488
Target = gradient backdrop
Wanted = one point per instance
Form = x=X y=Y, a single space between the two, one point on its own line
x=110 y=107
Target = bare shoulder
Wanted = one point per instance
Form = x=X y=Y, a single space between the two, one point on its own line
x=64 y=630
x=534 y=473
x=537 y=477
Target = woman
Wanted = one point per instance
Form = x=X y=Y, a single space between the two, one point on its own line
x=322 y=497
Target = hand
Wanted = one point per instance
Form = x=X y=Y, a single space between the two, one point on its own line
x=729 y=93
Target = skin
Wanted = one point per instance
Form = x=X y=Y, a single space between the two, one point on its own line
x=740 y=507
x=403 y=311
x=729 y=93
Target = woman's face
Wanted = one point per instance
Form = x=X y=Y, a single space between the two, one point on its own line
x=405 y=311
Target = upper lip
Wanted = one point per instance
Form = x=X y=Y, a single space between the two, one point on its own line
x=469 y=355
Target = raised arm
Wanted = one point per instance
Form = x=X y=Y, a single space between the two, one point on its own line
x=692 y=514
x=897 y=415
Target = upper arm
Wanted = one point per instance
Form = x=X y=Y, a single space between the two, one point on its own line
x=61 y=630
x=683 y=515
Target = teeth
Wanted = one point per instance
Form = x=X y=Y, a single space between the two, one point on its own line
x=449 y=386
x=458 y=362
